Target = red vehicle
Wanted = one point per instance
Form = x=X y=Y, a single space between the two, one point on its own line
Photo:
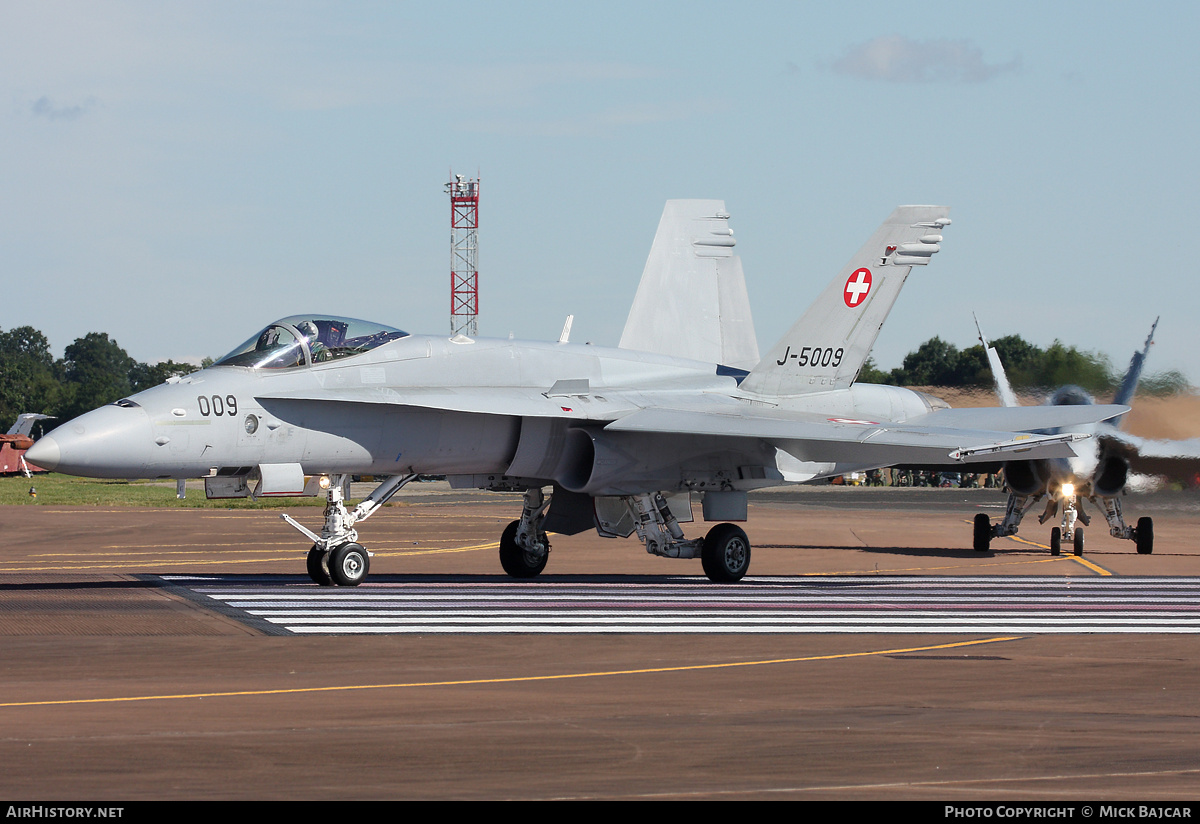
x=15 y=442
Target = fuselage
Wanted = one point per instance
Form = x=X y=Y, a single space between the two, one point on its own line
x=1091 y=472
x=420 y=404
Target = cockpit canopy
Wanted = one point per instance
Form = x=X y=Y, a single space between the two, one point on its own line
x=302 y=340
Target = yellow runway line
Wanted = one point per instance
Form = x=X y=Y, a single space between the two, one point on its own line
x=516 y=679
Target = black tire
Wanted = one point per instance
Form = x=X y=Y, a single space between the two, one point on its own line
x=318 y=567
x=516 y=561
x=349 y=565
x=1056 y=541
x=983 y=532
x=726 y=554
x=1145 y=536
x=1078 y=542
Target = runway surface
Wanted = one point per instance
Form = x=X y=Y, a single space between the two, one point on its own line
x=858 y=604
x=148 y=654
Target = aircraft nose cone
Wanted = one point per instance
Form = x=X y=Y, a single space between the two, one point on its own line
x=109 y=442
x=44 y=453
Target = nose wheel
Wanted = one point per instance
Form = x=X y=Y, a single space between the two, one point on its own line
x=349 y=564
x=343 y=566
x=318 y=566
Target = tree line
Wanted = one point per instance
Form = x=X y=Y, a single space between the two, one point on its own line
x=1029 y=367
x=95 y=370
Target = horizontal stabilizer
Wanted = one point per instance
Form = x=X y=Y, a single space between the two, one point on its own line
x=1176 y=460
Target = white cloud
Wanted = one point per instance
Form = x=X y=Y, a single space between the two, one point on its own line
x=45 y=107
x=900 y=60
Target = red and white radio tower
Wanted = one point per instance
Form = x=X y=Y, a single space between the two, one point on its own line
x=464 y=256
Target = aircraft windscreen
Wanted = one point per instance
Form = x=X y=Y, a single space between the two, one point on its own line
x=308 y=339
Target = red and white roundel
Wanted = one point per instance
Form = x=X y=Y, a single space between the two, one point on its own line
x=858 y=286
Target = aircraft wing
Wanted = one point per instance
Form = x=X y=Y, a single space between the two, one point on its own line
x=811 y=437
x=1177 y=460
x=943 y=436
x=571 y=399
x=1021 y=418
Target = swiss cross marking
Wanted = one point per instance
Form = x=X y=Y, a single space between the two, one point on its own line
x=858 y=286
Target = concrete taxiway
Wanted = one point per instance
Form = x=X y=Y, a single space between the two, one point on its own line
x=119 y=683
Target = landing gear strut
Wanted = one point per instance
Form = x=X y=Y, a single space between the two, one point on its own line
x=1067 y=531
x=336 y=557
x=1018 y=505
x=1014 y=511
x=724 y=552
x=1142 y=535
x=524 y=546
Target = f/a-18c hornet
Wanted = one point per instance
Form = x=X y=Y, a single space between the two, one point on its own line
x=1100 y=474
x=621 y=437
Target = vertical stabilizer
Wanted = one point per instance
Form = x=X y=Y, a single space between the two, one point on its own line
x=25 y=422
x=1129 y=383
x=827 y=347
x=1004 y=390
x=692 y=301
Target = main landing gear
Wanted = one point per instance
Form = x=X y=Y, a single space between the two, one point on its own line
x=524 y=547
x=1142 y=535
x=724 y=552
x=336 y=557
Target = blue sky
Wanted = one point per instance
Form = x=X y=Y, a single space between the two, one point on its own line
x=180 y=174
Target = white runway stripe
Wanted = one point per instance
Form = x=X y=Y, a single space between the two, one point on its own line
x=892 y=604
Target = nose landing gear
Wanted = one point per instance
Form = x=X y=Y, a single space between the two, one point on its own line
x=336 y=557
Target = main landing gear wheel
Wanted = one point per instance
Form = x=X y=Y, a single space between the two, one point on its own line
x=516 y=561
x=1145 y=536
x=1078 y=542
x=349 y=565
x=1056 y=541
x=726 y=554
x=983 y=532
x=318 y=567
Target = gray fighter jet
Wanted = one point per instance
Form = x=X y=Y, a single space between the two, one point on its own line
x=1100 y=474
x=622 y=438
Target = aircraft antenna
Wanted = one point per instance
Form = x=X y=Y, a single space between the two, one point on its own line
x=464 y=255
